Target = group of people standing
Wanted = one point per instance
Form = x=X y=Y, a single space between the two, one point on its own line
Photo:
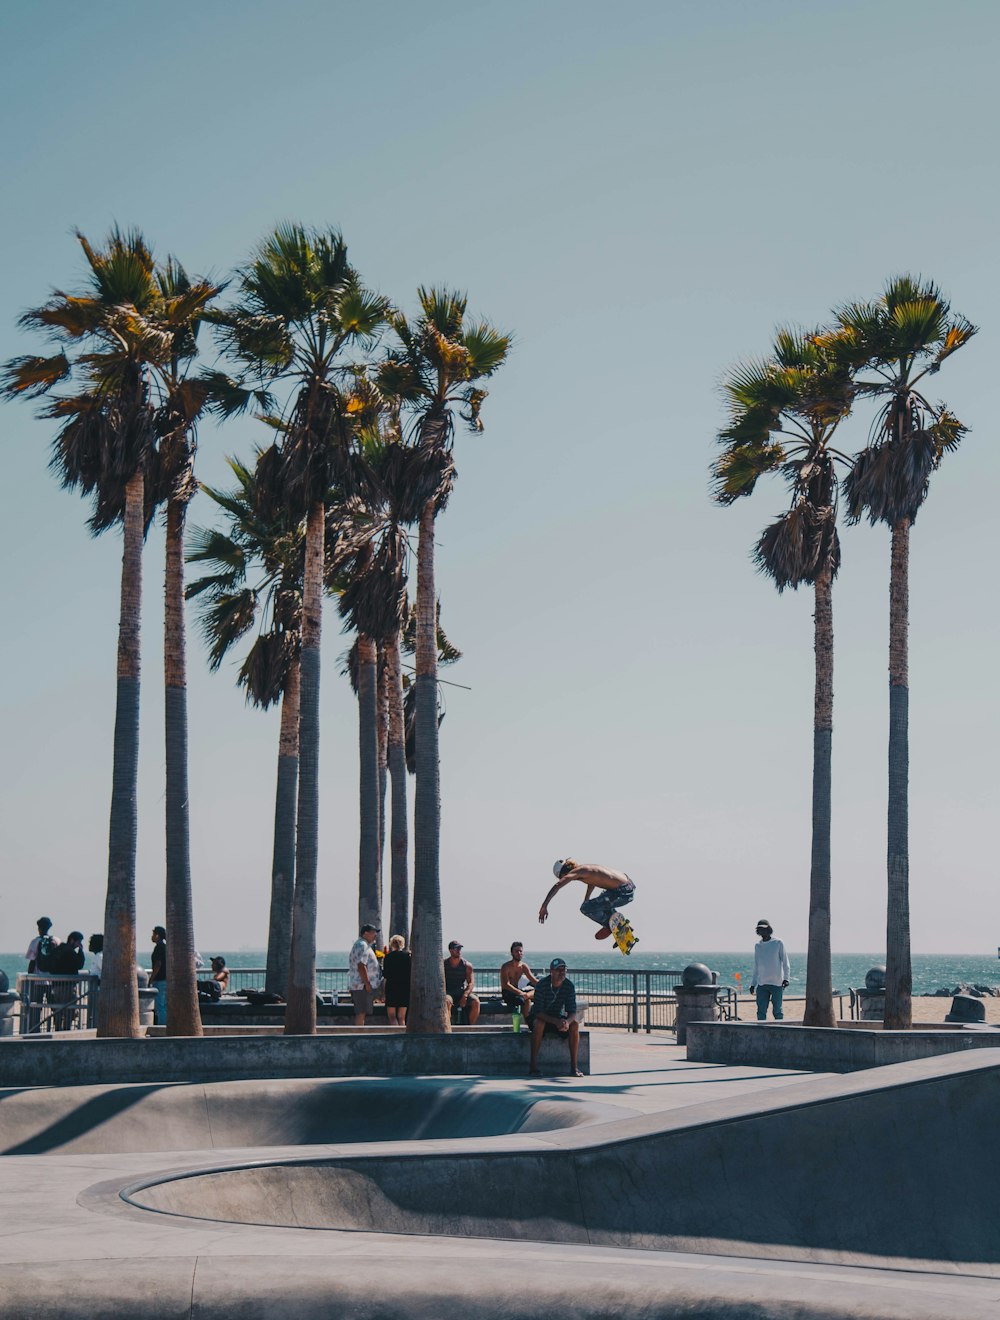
x=49 y=956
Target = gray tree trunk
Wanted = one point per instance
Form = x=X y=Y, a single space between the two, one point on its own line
x=119 y=1011
x=279 y=933
x=369 y=879
x=183 y=1013
x=819 y=970
x=300 y=1011
x=898 y=969
x=399 y=894
x=383 y=761
x=428 y=1011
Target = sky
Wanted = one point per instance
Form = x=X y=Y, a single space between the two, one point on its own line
x=640 y=194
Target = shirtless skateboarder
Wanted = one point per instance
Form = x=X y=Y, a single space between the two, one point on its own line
x=615 y=890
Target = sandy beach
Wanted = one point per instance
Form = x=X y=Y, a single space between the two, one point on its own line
x=926 y=1008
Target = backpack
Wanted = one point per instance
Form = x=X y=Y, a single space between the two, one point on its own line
x=43 y=958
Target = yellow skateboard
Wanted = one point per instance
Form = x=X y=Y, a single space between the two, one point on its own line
x=622 y=933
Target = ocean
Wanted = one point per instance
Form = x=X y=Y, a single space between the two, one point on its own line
x=931 y=971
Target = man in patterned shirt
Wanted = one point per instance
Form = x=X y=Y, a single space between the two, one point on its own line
x=554 y=1009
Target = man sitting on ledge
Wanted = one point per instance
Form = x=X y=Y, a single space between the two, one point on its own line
x=553 y=1009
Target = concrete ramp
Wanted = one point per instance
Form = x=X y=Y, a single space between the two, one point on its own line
x=899 y=1162
x=227 y=1115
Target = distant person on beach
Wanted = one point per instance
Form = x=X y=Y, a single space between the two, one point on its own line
x=396 y=970
x=554 y=1011
x=513 y=975
x=459 y=982
x=771 y=972
x=364 y=977
x=616 y=889
x=158 y=974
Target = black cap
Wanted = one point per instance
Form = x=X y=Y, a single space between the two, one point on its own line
x=454 y=944
x=557 y=962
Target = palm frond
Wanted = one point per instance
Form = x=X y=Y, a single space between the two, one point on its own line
x=30 y=377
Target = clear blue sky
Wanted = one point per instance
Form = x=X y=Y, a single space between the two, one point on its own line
x=640 y=193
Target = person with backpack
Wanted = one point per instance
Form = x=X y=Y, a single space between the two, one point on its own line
x=42 y=941
x=39 y=955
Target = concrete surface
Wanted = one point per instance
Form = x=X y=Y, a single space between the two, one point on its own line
x=487 y=1053
x=822 y=1049
x=657 y=1131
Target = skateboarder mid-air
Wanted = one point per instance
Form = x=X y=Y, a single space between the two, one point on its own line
x=614 y=888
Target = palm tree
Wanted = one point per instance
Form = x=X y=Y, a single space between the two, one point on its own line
x=104 y=447
x=435 y=370
x=272 y=553
x=300 y=305
x=372 y=600
x=784 y=413
x=902 y=337
x=183 y=398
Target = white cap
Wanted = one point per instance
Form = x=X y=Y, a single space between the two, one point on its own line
x=557 y=867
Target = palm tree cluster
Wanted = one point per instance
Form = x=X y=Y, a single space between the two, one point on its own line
x=359 y=404
x=785 y=410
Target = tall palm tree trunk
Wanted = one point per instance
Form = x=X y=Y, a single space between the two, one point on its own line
x=399 y=891
x=119 y=1011
x=300 y=1013
x=383 y=762
x=898 y=970
x=819 y=971
x=428 y=1011
x=369 y=886
x=183 y=1013
x=279 y=932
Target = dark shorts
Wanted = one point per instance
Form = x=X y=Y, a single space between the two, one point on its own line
x=513 y=998
x=363 y=1001
x=605 y=901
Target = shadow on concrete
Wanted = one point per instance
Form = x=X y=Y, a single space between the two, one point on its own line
x=92 y=1113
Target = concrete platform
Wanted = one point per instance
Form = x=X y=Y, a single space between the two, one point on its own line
x=826 y=1049
x=485 y=1052
x=663 y=1152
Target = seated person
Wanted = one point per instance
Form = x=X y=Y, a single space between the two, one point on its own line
x=554 y=1010
x=219 y=984
x=459 y=980
x=515 y=978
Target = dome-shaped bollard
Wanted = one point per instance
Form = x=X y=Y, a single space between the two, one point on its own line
x=697 y=999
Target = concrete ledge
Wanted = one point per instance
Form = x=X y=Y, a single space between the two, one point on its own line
x=216 y=1059
x=824 y=1049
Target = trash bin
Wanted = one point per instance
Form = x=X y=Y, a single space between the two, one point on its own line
x=147 y=1006
x=9 y=1002
x=697 y=999
x=871 y=1000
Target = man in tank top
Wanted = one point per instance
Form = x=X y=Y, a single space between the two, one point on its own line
x=459 y=979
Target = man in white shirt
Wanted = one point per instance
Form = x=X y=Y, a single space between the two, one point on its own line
x=771 y=972
x=365 y=974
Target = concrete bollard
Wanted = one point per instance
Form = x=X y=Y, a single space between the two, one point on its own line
x=697 y=999
x=8 y=1011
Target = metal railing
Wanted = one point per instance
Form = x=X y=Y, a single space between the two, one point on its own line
x=630 y=1000
x=51 y=1002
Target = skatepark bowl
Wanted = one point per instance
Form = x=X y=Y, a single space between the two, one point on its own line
x=881 y=1193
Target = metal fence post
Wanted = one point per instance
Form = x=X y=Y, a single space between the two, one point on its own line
x=649 y=1005
x=635 y=1001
